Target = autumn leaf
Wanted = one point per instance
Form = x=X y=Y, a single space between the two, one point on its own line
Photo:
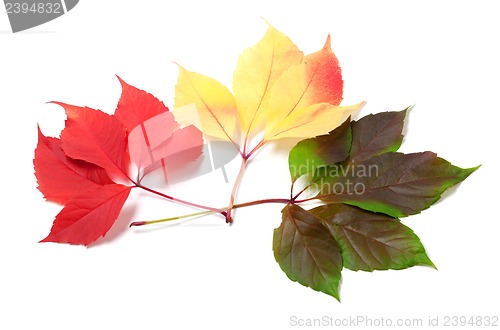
x=258 y=69
x=371 y=241
x=95 y=137
x=363 y=183
x=311 y=154
x=81 y=170
x=214 y=104
x=312 y=246
x=277 y=92
x=350 y=142
x=323 y=77
x=307 y=252
x=154 y=137
x=319 y=118
x=366 y=186
x=159 y=141
x=276 y=89
x=376 y=134
x=137 y=106
x=392 y=183
x=304 y=101
x=92 y=201
x=59 y=177
x=184 y=146
x=77 y=171
x=88 y=216
x=373 y=176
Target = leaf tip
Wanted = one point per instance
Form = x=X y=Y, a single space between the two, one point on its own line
x=428 y=262
x=328 y=43
x=55 y=102
x=40 y=134
x=178 y=65
x=69 y=109
x=473 y=169
x=358 y=106
x=48 y=239
x=468 y=171
x=269 y=25
x=122 y=82
x=409 y=108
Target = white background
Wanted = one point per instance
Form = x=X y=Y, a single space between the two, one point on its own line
x=442 y=57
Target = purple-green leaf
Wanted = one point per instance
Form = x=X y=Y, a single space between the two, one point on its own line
x=323 y=150
x=371 y=241
x=307 y=252
x=393 y=183
x=376 y=134
x=350 y=143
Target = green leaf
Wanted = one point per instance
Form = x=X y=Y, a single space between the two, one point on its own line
x=371 y=241
x=310 y=154
x=376 y=134
x=307 y=252
x=393 y=183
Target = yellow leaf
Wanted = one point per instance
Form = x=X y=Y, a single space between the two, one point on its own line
x=258 y=69
x=214 y=103
x=311 y=120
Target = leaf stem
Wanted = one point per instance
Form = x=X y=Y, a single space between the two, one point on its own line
x=235 y=188
x=245 y=157
x=235 y=206
x=263 y=201
x=305 y=200
x=150 y=222
x=181 y=201
x=300 y=192
x=257 y=147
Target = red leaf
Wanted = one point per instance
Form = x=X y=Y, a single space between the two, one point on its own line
x=154 y=137
x=158 y=140
x=88 y=216
x=136 y=106
x=325 y=75
x=185 y=145
x=95 y=137
x=149 y=135
x=60 y=177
